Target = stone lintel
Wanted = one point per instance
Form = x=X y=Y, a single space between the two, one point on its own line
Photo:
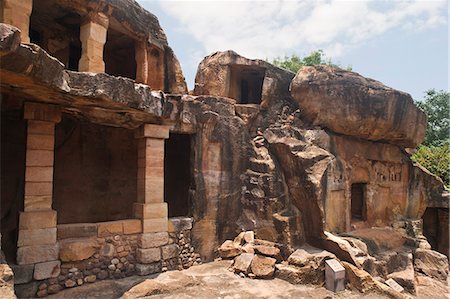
x=153 y=131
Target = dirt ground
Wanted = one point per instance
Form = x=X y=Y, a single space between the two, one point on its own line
x=213 y=280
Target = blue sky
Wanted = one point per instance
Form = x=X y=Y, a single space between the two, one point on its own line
x=403 y=44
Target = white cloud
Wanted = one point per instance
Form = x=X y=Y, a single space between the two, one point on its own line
x=261 y=29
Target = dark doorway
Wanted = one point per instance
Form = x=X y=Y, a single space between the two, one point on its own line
x=13 y=151
x=246 y=83
x=119 y=55
x=436 y=229
x=177 y=174
x=358 y=201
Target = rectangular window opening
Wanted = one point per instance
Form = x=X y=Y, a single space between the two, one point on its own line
x=358 y=202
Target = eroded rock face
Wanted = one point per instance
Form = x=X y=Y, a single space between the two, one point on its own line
x=431 y=263
x=6 y=279
x=350 y=104
x=228 y=70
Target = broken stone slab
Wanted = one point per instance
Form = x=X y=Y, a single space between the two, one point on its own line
x=405 y=278
x=350 y=104
x=270 y=251
x=242 y=263
x=9 y=39
x=249 y=236
x=394 y=285
x=310 y=256
x=334 y=276
x=431 y=263
x=263 y=266
x=364 y=282
x=248 y=248
x=229 y=250
x=47 y=270
x=239 y=240
x=299 y=275
x=72 y=250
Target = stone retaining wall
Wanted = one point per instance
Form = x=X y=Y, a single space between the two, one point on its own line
x=107 y=250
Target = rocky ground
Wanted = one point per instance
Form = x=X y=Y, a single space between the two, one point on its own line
x=214 y=280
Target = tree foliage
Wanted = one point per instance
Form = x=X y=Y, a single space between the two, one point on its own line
x=436 y=159
x=295 y=62
x=436 y=107
x=434 y=153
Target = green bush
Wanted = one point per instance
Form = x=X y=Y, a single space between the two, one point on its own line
x=436 y=159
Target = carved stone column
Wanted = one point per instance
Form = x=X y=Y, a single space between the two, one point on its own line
x=37 y=223
x=93 y=32
x=150 y=206
x=141 y=57
x=17 y=13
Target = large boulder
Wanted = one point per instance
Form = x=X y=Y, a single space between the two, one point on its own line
x=431 y=263
x=348 y=103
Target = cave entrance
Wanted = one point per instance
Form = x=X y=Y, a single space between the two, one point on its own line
x=94 y=172
x=358 y=202
x=13 y=152
x=119 y=54
x=177 y=174
x=57 y=31
x=246 y=83
x=436 y=229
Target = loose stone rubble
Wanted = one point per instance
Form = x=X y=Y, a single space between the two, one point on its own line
x=115 y=169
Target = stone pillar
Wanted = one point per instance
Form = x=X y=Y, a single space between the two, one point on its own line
x=93 y=33
x=150 y=206
x=141 y=57
x=17 y=13
x=37 y=223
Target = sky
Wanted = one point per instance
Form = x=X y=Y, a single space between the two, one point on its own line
x=403 y=44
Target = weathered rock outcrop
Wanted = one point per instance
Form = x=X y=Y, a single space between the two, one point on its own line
x=350 y=104
x=6 y=279
x=222 y=66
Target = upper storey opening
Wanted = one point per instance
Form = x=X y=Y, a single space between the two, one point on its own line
x=119 y=54
x=57 y=31
x=246 y=83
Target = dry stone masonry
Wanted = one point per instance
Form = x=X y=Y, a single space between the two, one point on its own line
x=112 y=168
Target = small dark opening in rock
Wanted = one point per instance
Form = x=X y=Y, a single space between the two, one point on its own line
x=246 y=83
x=244 y=92
x=74 y=57
x=35 y=37
x=358 y=205
x=177 y=174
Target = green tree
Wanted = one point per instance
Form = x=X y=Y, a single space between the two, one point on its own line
x=434 y=152
x=436 y=159
x=436 y=107
x=295 y=62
